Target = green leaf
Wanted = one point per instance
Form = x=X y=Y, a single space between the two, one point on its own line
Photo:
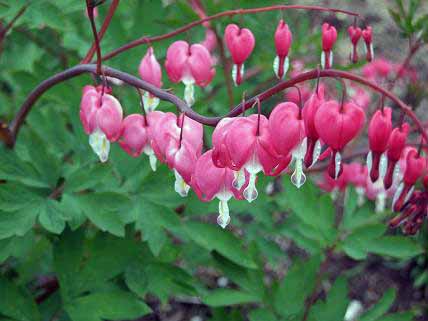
x=227 y=297
x=152 y=220
x=359 y=243
x=334 y=307
x=301 y=276
x=160 y=279
x=381 y=307
x=16 y=303
x=401 y=316
x=212 y=237
x=262 y=315
x=112 y=305
x=104 y=210
x=397 y=247
x=51 y=217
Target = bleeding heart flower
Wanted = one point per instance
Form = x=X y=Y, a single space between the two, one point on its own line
x=309 y=110
x=329 y=37
x=379 y=131
x=368 y=39
x=283 y=39
x=414 y=212
x=190 y=65
x=396 y=144
x=178 y=142
x=210 y=41
x=355 y=35
x=244 y=145
x=210 y=181
x=150 y=71
x=337 y=125
x=289 y=140
x=136 y=135
x=415 y=168
x=101 y=116
x=240 y=43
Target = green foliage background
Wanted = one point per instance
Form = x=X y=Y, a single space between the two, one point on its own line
x=117 y=237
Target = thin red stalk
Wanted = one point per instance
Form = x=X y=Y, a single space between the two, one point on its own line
x=413 y=50
x=102 y=31
x=90 y=10
x=9 y=133
x=12 y=22
x=146 y=40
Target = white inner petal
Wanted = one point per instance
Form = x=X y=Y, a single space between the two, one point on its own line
x=276 y=66
x=298 y=178
x=223 y=219
x=317 y=152
x=383 y=165
x=100 y=144
x=361 y=195
x=323 y=59
x=331 y=58
x=180 y=185
x=369 y=161
x=189 y=93
x=337 y=163
x=150 y=102
x=239 y=180
x=250 y=192
x=152 y=157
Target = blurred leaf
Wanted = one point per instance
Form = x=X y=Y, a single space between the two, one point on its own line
x=112 y=305
x=227 y=297
x=16 y=303
x=334 y=307
x=381 y=307
x=212 y=237
x=396 y=246
x=302 y=276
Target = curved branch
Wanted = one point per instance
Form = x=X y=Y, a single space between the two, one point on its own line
x=148 y=40
x=9 y=133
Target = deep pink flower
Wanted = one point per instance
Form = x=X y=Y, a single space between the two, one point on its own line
x=414 y=212
x=244 y=145
x=190 y=65
x=179 y=150
x=210 y=41
x=329 y=37
x=134 y=135
x=379 y=131
x=367 y=34
x=415 y=168
x=240 y=43
x=150 y=71
x=337 y=125
x=210 y=181
x=313 y=142
x=283 y=40
x=101 y=117
x=396 y=144
x=289 y=141
x=354 y=35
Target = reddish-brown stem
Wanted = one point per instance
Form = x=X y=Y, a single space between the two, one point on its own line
x=9 y=133
x=90 y=9
x=102 y=31
x=146 y=40
x=9 y=26
x=413 y=50
x=226 y=68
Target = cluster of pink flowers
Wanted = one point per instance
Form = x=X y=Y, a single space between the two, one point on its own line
x=288 y=141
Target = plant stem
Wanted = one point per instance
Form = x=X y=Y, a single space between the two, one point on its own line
x=9 y=26
x=147 y=40
x=90 y=10
x=103 y=30
x=9 y=133
x=320 y=275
